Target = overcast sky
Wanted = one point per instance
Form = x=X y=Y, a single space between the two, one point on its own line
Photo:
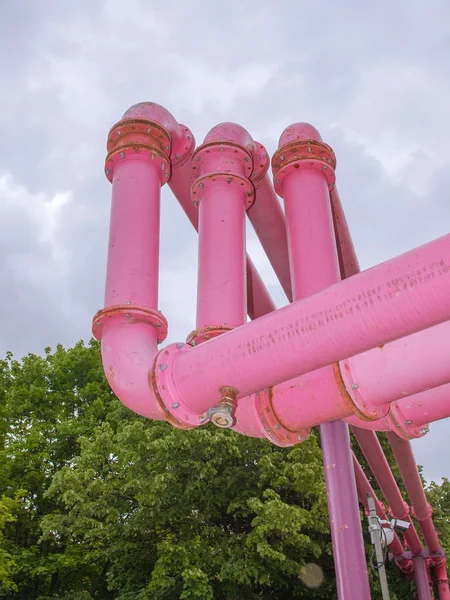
x=372 y=77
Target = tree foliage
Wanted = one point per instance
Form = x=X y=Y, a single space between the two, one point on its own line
x=96 y=502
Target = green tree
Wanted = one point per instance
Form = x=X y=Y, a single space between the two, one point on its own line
x=100 y=503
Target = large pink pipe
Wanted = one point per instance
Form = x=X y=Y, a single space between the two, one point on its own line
x=182 y=178
x=315 y=266
x=319 y=330
x=134 y=234
x=222 y=192
x=130 y=325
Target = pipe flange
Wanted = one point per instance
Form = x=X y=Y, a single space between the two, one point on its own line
x=183 y=151
x=274 y=430
x=405 y=516
x=237 y=182
x=364 y=410
x=232 y=157
x=174 y=408
x=198 y=336
x=261 y=163
x=138 y=131
x=300 y=154
x=403 y=427
x=139 y=152
x=129 y=314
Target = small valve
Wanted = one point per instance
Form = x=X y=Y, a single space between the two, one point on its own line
x=222 y=415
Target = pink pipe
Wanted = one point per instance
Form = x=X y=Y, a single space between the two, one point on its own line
x=346 y=250
x=421 y=578
x=134 y=235
x=258 y=298
x=422 y=510
x=129 y=326
x=427 y=407
x=442 y=581
x=267 y=218
x=373 y=452
x=222 y=192
x=314 y=266
x=364 y=488
x=319 y=330
x=221 y=297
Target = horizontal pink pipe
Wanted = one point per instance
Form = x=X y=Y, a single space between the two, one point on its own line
x=364 y=488
x=422 y=510
x=258 y=298
x=373 y=453
x=133 y=252
x=402 y=368
x=427 y=407
x=347 y=318
x=267 y=218
x=247 y=420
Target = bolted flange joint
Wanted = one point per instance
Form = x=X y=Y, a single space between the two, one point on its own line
x=138 y=139
x=354 y=396
x=403 y=427
x=274 y=430
x=225 y=159
x=198 y=336
x=303 y=153
x=129 y=314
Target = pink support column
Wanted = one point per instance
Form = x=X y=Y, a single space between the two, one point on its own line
x=421 y=578
x=314 y=267
x=130 y=326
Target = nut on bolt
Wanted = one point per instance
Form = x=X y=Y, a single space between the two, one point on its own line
x=222 y=415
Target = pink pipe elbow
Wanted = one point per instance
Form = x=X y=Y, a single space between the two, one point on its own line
x=130 y=326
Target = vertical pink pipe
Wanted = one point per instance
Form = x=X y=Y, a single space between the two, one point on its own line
x=422 y=510
x=373 y=452
x=267 y=218
x=133 y=253
x=221 y=298
x=346 y=250
x=258 y=298
x=314 y=267
x=421 y=578
x=364 y=488
x=442 y=581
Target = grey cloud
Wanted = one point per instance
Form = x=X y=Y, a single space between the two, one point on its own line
x=371 y=77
